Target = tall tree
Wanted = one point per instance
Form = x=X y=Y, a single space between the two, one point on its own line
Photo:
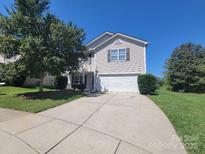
x=44 y=43
x=185 y=68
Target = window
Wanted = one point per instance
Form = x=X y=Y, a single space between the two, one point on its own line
x=122 y=55
x=90 y=58
x=114 y=55
x=118 y=55
x=78 y=79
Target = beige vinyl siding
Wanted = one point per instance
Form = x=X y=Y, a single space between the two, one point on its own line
x=135 y=65
x=8 y=60
x=48 y=80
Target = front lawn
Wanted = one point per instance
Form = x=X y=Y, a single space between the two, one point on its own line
x=186 y=111
x=30 y=100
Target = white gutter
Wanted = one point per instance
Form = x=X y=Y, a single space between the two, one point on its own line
x=121 y=73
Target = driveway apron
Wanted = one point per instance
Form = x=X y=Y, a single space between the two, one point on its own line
x=112 y=123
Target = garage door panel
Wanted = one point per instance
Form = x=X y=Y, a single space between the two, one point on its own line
x=119 y=83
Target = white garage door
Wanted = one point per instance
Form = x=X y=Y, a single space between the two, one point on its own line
x=118 y=83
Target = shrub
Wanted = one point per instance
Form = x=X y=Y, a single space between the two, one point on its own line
x=147 y=84
x=2 y=71
x=61 y=82
x=14 y=74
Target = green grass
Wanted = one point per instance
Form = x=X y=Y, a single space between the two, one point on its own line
x=186 y=111
x=30 y=100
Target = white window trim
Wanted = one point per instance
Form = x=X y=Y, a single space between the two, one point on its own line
x=118 y=55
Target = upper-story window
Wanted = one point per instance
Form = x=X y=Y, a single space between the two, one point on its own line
x=118 y=55
x=114 y=55
x=122 y=55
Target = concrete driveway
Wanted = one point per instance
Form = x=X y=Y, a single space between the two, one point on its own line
x=121 y=123
x=7 y=114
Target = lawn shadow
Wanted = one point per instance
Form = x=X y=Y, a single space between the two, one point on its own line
x=54 y=95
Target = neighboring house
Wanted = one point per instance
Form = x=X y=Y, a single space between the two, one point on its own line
x=1 y=60
x=113 y=64
x=4 y=60
x=48 y=80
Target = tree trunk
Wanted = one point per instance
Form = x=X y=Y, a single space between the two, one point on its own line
x=41 y=83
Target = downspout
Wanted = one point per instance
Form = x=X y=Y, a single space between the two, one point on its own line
x=94 y=64
x=145 y=63
x=83 y=76
x=83 y=72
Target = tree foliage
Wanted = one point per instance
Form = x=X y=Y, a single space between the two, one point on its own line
x=186 y=68
x=14 y=73
x=44 y=43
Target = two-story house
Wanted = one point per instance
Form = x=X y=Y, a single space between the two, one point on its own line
x=113 y=64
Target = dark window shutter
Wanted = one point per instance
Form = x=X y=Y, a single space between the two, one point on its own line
x=85 y=80
x=108 y=55
x=128 y=54
x=73 y=79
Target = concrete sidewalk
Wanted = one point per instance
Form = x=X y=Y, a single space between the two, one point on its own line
x=7 y=114
x=122 y=123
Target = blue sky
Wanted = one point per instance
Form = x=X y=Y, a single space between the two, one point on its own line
x=164 y=23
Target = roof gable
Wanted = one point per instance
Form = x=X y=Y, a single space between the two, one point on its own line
x=124 y=36
x=100 y=39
